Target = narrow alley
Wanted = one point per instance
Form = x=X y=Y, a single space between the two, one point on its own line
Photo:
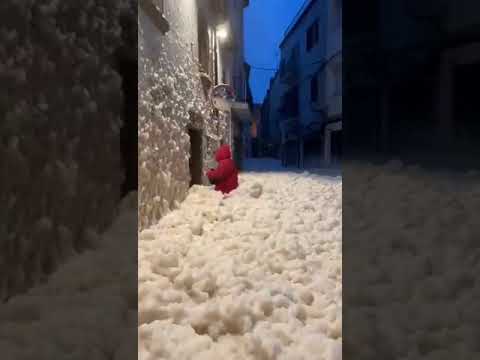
x=245 y=267
x=177 y=181
x=256 y=275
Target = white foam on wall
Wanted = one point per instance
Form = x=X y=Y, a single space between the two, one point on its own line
x=87 y=309
x=169 y=90
x=64 y=102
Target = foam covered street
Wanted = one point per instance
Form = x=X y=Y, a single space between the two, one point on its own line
x=256 y=275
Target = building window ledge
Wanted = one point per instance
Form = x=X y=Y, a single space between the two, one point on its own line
x=156 y=15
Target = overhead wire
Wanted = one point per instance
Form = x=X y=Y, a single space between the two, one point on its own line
x=323 y=62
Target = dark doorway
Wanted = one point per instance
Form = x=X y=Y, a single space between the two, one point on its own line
x=336 y=143
x=195 y=161
x=128 y=70
x=313 y=145
x=238 y=151
x=237 y=128
x=466 y=116
x=291 y=153
x=254 y=148
x=467 y=106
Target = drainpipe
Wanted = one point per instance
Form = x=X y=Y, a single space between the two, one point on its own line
x=215 y=53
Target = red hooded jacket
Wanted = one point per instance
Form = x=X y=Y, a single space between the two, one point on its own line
x=225 y=176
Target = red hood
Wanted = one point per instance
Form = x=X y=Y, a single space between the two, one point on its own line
x=223 y=153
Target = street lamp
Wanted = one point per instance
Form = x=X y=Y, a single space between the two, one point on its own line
x=222 y=32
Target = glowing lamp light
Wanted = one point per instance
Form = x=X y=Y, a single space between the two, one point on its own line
x=222 y=32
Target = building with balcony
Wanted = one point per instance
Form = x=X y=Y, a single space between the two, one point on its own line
x=305 y=96
x=271 y=117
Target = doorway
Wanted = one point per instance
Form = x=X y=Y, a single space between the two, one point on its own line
x=128 y=70
x=196 y=158
x=466 y=115
x=466 y=105
x=336 y=146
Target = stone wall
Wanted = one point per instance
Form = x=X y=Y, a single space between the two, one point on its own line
x=61 y=112
x=170 y=91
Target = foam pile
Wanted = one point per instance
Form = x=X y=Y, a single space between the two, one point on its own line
x=254 y=276
x=87 y=309
x=414 y=257
x=61 y=113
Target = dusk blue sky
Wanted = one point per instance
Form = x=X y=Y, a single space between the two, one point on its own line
x=265 y=25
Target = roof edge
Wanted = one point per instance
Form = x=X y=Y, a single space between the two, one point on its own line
x=299 y=17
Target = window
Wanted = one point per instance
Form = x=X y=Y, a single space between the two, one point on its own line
x=313 y=35
x=314 y=84
x=282 y=66
x=295 y=53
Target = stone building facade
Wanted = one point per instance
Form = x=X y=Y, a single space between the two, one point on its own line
x=179 y=130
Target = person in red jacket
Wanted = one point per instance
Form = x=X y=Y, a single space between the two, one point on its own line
x=225 y=176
